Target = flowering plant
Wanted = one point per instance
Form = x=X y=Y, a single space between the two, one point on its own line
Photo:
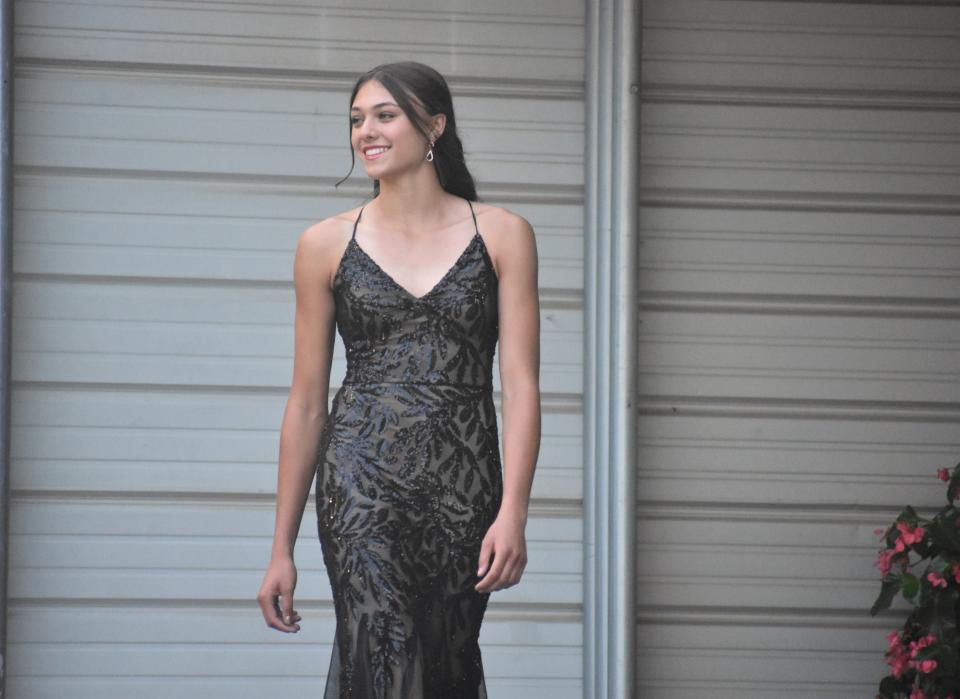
x=920 y=558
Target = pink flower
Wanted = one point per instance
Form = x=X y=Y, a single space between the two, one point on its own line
x=910 y=536
x=898 y=662
x=943 y=474
x=936 y=579
x=887 y=558
x=898 y=657
x=920 y=644
x=927 y=666
x=956 y=572
x=917 y=694
x=885 y=561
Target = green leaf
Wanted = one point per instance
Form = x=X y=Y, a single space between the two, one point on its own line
x=949 y=683
x=925 y=615
x=953 y=485
x=943 y=536
x=888 y=590
x=926 y=548
x=946 y=605
x=948 y=663
x=911 y=586
x=889 y=687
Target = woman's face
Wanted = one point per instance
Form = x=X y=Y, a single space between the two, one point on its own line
x=377 y=122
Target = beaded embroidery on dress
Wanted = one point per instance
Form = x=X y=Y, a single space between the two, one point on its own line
x=409 y=479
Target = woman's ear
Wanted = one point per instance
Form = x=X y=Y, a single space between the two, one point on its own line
x=439 y=124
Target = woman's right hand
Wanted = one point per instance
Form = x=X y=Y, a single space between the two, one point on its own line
x=276 y=595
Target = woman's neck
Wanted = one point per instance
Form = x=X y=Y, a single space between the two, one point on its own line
x=410 y=207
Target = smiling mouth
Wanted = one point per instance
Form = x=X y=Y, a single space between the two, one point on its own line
x=374 y=153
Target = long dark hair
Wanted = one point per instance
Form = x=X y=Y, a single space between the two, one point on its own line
x=409 y=79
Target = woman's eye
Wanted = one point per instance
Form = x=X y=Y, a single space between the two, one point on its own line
x=355 y=120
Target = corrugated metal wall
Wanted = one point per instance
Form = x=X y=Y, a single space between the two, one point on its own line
x=168 y=156
x=800 y=332
x=798 y=351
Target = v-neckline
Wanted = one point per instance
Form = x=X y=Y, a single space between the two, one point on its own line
x=402 y=288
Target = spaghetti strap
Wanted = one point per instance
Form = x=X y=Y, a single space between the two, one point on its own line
x=355 y=224
x=474 y=217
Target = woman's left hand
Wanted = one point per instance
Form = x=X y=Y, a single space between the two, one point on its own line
x=505 y=541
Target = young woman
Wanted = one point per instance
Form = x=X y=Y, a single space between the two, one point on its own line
x=417 y=520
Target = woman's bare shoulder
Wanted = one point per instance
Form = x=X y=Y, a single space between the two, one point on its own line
x=500 y=221
x=323 y=243
x=330 y=230
x=505 y=230
x=508 y=236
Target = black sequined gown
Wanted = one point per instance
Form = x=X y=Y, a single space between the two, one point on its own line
x=409 y=479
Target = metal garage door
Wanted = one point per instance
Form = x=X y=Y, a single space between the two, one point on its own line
x=168 y=155
x=799 y=332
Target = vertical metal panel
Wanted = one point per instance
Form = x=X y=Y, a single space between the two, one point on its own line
x=799 y=335
x=611 y=219
x=6 y=308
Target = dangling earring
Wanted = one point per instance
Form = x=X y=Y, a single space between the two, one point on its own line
x=430 y=152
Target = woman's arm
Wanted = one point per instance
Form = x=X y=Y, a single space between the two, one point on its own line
x=519 y=319
x=303 y=418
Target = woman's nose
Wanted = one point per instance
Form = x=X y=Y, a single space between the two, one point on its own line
x=367 y=131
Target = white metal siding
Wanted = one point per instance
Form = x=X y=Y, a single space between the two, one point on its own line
x=800 y=332
x=168 y=155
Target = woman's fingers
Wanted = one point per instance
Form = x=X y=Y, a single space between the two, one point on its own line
x=281 y=617
x=500 y=575
x=278 y=618
x=492 y=577
x=287 y=596
x=506 y=572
